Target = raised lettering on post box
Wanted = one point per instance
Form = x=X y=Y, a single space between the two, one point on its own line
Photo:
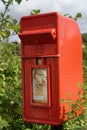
x=51 y=52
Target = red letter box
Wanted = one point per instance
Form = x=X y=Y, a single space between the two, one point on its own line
x=51 y=66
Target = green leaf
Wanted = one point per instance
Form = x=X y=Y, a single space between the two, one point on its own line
x=63 y=101
x=78 y=15
x=33 y=12
x=8 y=17
x=14 y=21
x=18 y=1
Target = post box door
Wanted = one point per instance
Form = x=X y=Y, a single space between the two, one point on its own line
x=40 y=96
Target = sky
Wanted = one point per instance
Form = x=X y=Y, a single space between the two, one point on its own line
x=70 y=7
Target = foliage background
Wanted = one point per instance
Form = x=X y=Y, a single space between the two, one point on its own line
x=10 y=79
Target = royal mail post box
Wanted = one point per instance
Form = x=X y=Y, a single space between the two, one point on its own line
x=51 y=52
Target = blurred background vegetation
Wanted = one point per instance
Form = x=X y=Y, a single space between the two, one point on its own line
x=10 y=78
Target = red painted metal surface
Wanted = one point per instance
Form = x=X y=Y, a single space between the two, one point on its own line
x=52 y=47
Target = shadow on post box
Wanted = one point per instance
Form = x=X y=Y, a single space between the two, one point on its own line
x=51 y=52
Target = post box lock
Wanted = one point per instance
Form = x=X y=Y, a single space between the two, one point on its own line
x=53 y=32
x=51 y=53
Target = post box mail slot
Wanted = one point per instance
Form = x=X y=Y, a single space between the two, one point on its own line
x=51 y=53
